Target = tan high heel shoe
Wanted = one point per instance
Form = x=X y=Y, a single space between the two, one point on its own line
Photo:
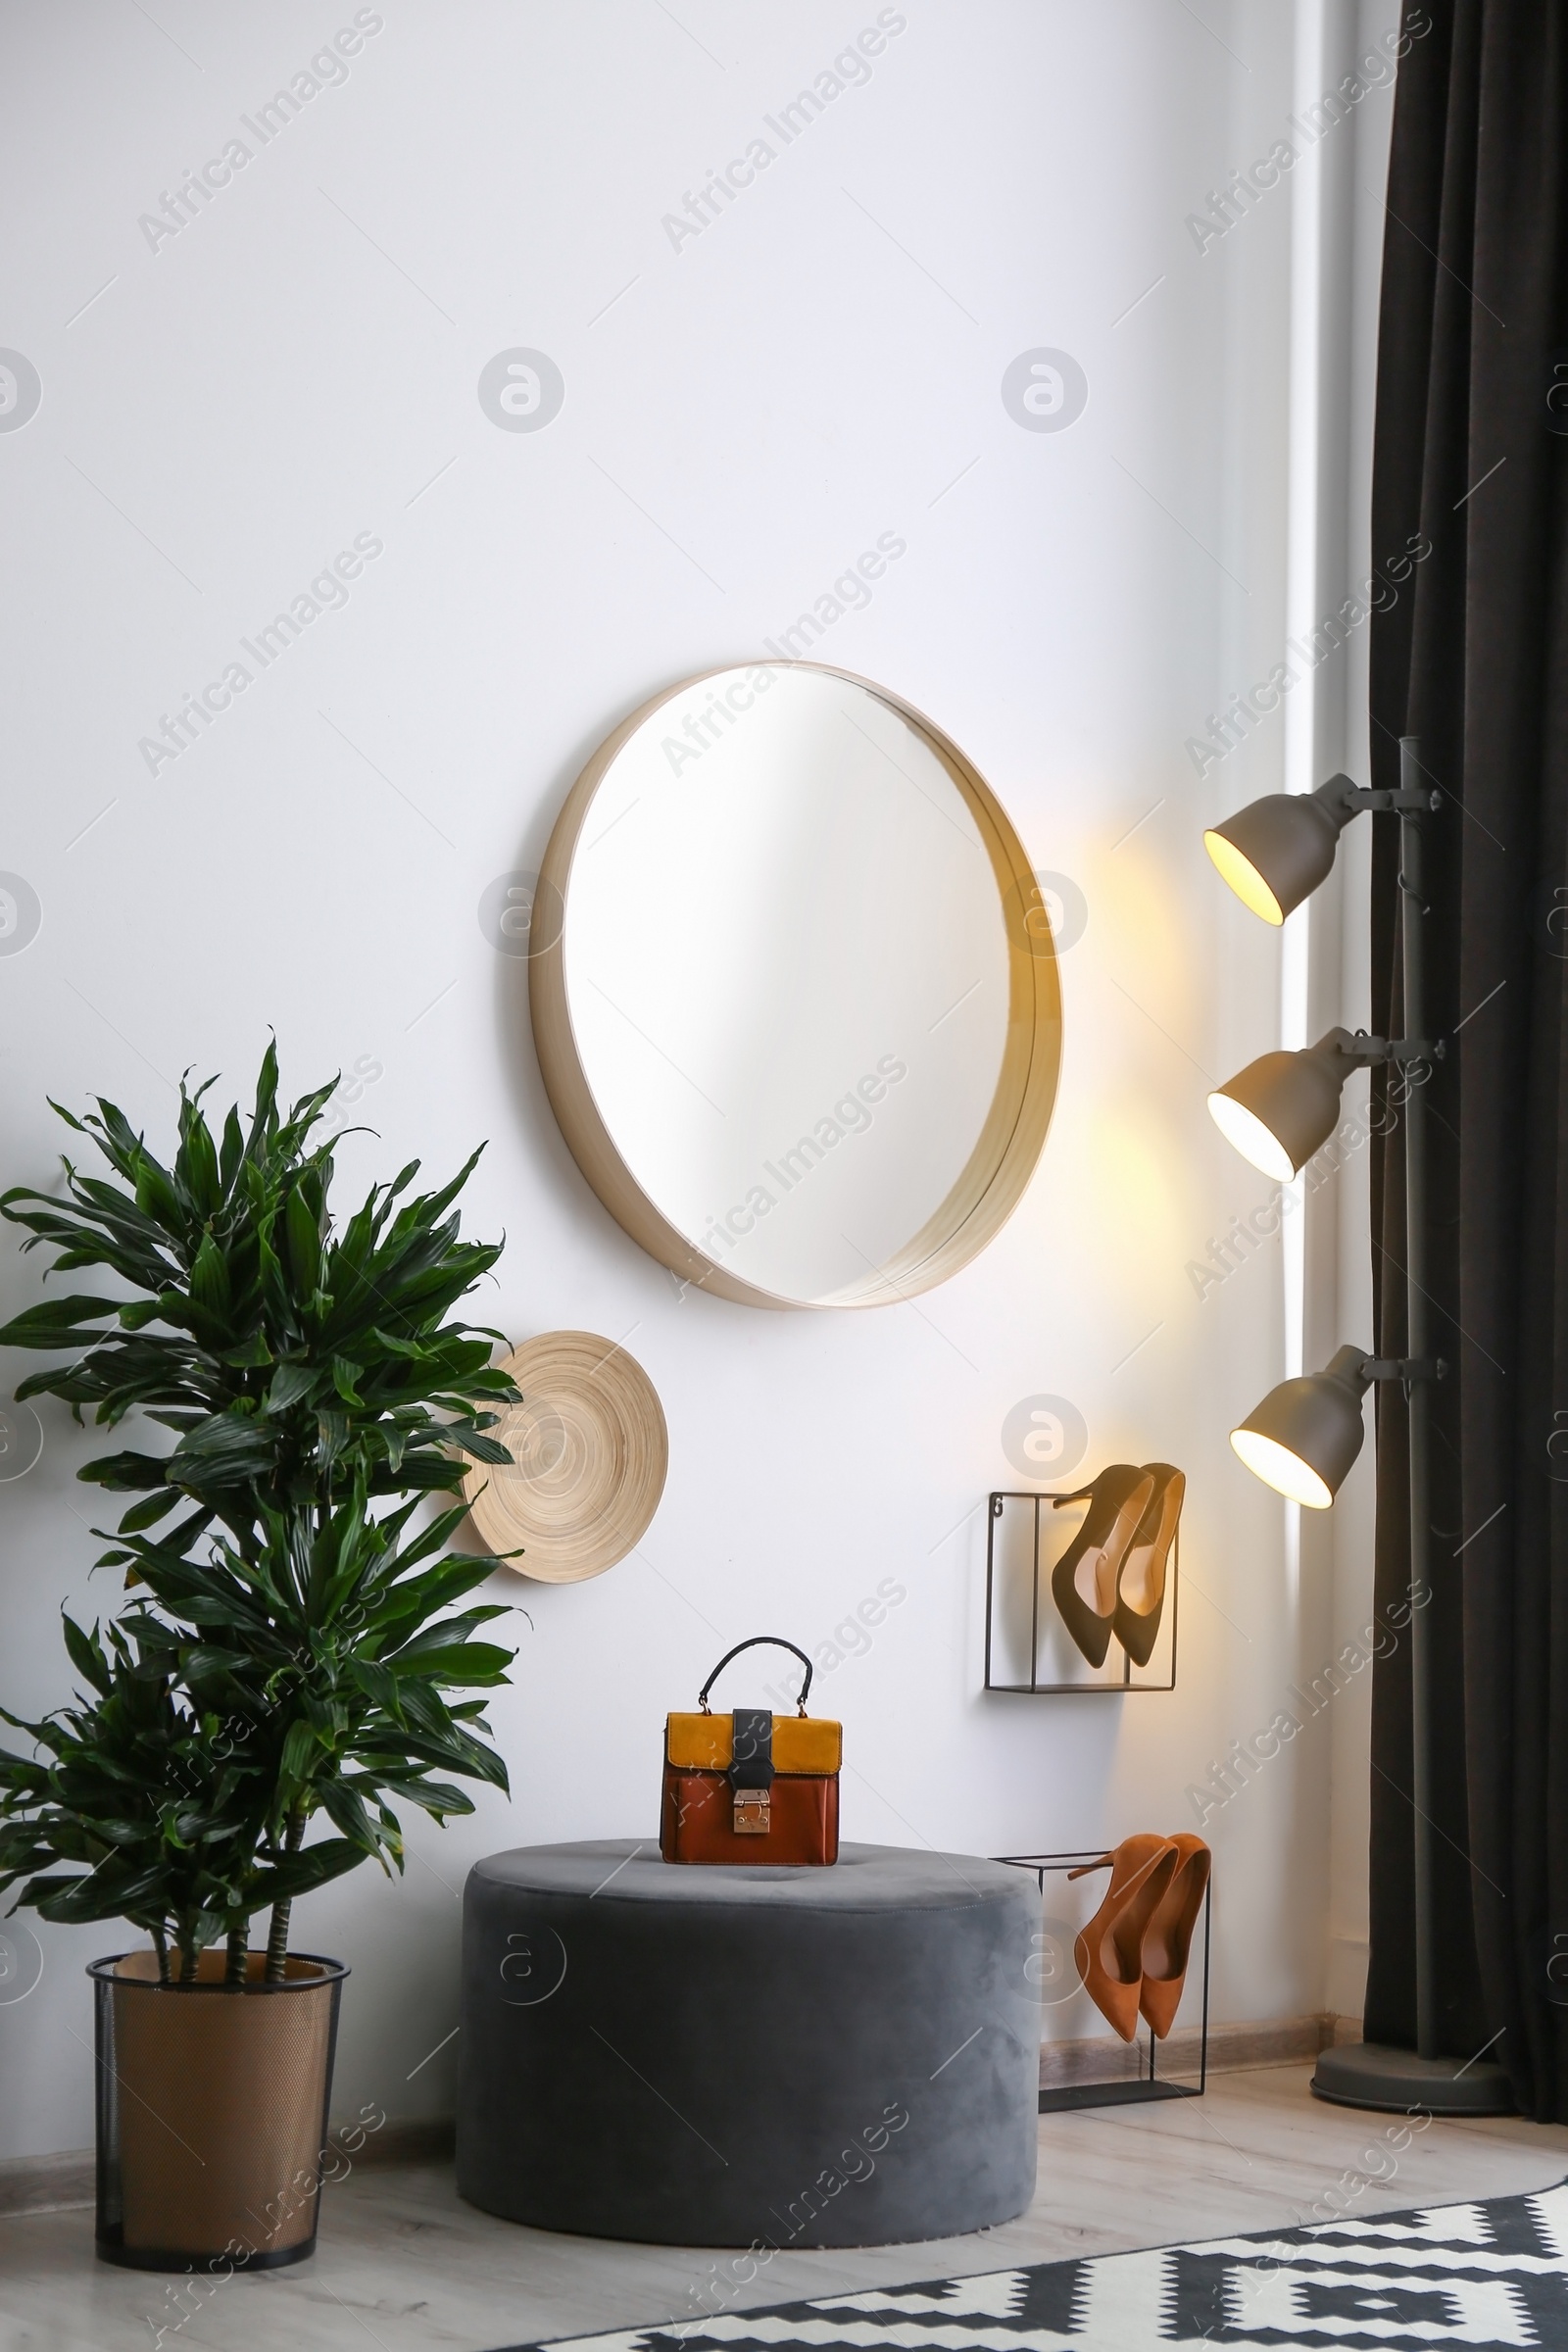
x=1141 y=1587
x=1109 y=1949
x=1168 y=1936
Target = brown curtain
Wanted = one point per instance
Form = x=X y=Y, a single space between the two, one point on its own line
x=1472 y=411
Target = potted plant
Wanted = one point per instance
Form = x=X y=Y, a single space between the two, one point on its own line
x=287 y=1647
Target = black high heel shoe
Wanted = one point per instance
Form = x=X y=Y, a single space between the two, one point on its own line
x=1118 y=1501
x=1140 y=1589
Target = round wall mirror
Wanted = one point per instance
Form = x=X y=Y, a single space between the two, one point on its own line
x=797 y=1004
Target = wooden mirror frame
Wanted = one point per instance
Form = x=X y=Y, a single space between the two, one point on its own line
x=996 y=1173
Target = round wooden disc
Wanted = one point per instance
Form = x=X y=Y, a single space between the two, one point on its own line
x=589 y=1451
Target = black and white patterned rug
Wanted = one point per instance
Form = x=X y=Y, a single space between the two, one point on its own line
x=1489 y=2275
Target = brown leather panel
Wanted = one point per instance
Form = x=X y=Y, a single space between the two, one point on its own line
x=697 y=1823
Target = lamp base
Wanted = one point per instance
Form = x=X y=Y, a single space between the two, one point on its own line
x=1395 y=2081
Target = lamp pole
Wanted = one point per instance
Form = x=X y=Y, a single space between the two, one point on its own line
x=1365 y=2074
x=1418 y=1395
x=1305 y=1433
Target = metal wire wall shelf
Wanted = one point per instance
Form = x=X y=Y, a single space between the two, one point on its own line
x=1045 y=1621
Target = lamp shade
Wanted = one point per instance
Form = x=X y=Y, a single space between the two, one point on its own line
x=1281 y=1108
x=1303 y=1437
x=1276 y=852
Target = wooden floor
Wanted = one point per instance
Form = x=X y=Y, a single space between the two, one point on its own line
x=402 y=2264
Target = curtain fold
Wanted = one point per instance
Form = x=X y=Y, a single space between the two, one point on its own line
x=1471 y=458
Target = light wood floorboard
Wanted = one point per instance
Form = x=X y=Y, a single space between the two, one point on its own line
x=403 y=2264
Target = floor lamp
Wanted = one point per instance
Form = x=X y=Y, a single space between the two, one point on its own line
x=1305 y=1433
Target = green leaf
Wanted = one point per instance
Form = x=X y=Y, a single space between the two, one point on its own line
x=290 y=1385
x=85 y=1654
x=157 y=1197
x=379 y=1683
x=139 y=1312
x=302 y=1752
x=345 y=1809
x=266 y=1112
x=463 y=1664
x=483 y=1449
x=147 y=1513
x=233 y=1151
x=125 y=1473
x=208 y=1276
x=436 y=1797
x=303 y=1243
x=197 y=1163
x=224 y=1450
x=57 y=1322
x=251 y=1354
x=294 y=1875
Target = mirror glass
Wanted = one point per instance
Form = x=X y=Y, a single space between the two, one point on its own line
x=788 y=967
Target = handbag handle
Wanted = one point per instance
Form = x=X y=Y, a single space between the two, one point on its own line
x=757 y=1642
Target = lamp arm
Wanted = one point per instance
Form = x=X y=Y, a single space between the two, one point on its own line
x=1353 y=797
x=1365 y=1052
x=1405 y=1369
x=1344 y=797
x=1358 y=1370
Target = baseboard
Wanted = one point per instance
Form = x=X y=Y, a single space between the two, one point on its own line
x=424 y=2140
x=1104 y=2058
x=55 y=2184
x=44 y=2184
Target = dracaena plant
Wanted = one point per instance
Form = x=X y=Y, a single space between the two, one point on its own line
x=137 y=1786
x=291 y=1360
x=240 y=1695
x=285 y=1651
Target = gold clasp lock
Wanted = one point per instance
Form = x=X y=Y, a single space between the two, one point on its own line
x=752 y=1812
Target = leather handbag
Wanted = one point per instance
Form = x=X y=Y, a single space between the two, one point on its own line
x=752 y=1786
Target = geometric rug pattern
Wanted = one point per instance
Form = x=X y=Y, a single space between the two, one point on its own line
x=1488 y=2276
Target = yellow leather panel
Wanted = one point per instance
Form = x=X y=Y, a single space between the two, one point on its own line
x=800 y=1743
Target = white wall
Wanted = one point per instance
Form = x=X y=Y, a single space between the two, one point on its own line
x=742 y=417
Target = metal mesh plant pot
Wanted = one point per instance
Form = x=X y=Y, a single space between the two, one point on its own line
x=212 y=2111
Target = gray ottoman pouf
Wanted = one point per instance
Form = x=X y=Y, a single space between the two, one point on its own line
x=715 y=2056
